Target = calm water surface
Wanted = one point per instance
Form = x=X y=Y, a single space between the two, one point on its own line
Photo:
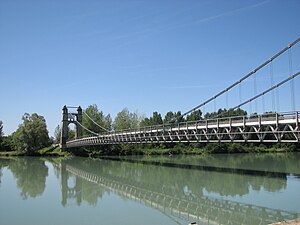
x=220 y=189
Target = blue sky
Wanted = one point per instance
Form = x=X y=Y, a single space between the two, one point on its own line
x=147 y=55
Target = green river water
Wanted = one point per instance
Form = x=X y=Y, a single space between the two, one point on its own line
x=213 y=189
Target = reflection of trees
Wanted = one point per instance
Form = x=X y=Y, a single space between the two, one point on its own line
x=3 y=163
x=176 y=181
x=279 y=162
x=173 y=188
x=30 y=175
x=91 y=192
x=81 y=190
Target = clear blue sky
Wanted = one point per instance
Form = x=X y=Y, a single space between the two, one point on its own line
x=147 y=55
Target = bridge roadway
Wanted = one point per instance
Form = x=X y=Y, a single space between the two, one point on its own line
x=204 y=210
x=275 y=127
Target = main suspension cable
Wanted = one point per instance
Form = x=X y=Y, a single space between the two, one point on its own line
x=292 y=81
x=243 y=78
x=263 y=93
x=92 y=132
x=95 y=122
x=272 y=84
x=255 y=91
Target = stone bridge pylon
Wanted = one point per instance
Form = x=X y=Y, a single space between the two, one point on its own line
x=68 y=118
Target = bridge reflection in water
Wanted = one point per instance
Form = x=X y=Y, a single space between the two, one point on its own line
x=175 y=192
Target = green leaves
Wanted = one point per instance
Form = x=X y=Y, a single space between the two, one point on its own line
x=225 y=113
x=32 y=134
x=99 y=117
x=156 y=119
x=1 y=129
x=57 y=134
x=126 y=120
x=196 y=115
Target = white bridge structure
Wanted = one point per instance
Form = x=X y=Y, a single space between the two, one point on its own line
x=278 y=127
x=267 y=127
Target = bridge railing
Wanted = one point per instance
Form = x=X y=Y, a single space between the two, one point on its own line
x=266 y=117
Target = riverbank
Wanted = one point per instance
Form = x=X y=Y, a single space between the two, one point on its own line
x=161 y=149
x=187 y=149
x=52 y=151
x=291 y=222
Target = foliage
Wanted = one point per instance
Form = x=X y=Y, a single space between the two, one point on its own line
x=71 y=133
x=225 y=113
x=32 y=134
x=155 y=119
x=195 y=115
x=190 y=148
x=57 y=134
x=99 y=117
x=126 y=120
x=1 y=129
x=6 y=143
x=168 y=117
x=53 y=150
x=173 y=117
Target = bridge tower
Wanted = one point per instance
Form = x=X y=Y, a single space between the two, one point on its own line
x=68 y=118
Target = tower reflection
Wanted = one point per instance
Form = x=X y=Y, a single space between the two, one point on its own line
x=175 y=192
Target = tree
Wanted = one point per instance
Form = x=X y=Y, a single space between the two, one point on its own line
x=57 y=134
x=6 y=143
x=126 y=120
x=195 y=115
x=156 y=119
x=98 y=116
x=1 y=129
x=173 y=117
x=221 y=113
x=168 y=117
x=32 y=134
x=145 y=122
x=1 y=133
x=71 y=133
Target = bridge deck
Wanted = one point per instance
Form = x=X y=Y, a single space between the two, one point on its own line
x=270 y=128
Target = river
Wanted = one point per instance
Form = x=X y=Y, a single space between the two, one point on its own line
x=213 y=189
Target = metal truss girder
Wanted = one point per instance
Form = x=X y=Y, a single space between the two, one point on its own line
x=278 y=128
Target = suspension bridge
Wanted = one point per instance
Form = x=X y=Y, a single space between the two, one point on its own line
x=274 y=126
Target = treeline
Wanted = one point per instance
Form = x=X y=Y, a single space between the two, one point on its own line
x=33 y=135
x=30 y=136
x=187 y=148
x=132 y=120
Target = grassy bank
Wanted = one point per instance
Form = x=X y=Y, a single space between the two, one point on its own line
x=161 y=149
x=53 y=151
